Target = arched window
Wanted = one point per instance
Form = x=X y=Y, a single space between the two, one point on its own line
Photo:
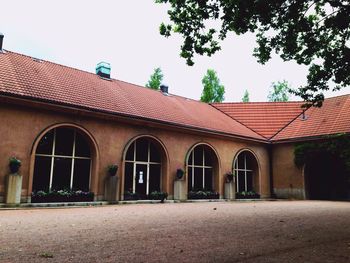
x=245 y=169
x=62 y=161
x=200 y=169
x=142 y=168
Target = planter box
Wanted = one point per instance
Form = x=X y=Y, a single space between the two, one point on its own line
x=61 y=199
x=197 y=195
x=251 y=196
x=131 y=197
x=13 y=189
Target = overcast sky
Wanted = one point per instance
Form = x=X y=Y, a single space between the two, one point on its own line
x=81 y=33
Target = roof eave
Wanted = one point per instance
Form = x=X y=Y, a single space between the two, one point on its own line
x=30 y=99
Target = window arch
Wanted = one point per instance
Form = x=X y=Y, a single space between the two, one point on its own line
x=143 y=168
x=201 y=164
x=62 y=161
x=246 y=171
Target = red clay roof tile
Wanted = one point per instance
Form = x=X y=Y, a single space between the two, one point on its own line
x=332 y=118
x=22 y=75
x=265 y=118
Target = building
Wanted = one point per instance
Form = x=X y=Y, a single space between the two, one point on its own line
x=67 y=126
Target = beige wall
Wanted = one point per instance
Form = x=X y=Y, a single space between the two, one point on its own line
x=288 y=180
x=22 y=125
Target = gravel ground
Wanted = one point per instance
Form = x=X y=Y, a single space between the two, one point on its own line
x=282 y=231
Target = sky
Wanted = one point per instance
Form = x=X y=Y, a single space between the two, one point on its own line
x=81 y=33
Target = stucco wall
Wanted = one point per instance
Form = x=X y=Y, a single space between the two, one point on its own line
x=22 y=125
x=288 y=179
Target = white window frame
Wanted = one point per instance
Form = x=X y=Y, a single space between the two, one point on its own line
x=245 y=170
x=73 y=157
x=203 y=166
x=148 y=163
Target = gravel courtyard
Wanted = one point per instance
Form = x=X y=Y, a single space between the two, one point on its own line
x=280 y=231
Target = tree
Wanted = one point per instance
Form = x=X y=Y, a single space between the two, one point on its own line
x=313 y=33
x=155 y=79
x=245 y=96
x=279 y=92
x=213 y=91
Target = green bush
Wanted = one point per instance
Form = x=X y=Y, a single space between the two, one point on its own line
x=203 y=194
x=62 y=196
x=158 y=195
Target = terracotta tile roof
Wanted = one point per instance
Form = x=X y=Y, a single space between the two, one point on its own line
x=332 y=118
x=24 y=76
x=265 y=118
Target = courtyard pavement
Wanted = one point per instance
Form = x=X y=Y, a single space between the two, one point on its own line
x=279 y=231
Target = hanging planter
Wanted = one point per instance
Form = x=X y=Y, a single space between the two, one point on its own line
x=228 y=177
x=112 y=169
x=14 y=165
x=179 y=174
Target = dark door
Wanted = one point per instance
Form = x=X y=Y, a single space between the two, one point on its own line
x=141 y=180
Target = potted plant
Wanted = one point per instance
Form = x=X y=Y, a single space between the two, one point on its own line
x=228 y=177
x=129 y=195
x=14 y=164
x=112 y=169
x=247 y=195
x=158 y=195
x=179 y=174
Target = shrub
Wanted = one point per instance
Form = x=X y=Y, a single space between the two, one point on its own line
x=202 y=194
x=128 y=195
x=158 y=195
x=62 y=196
x=247 y=195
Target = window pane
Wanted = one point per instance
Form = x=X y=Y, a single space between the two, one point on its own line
x=45 y=144
x=129 y=171
x=241 y=181
x=198 y=155
x=189 y=178
x=64 y=141
x=61 y=173
x=155 y=155
x=154 y=177
x=250 y=161
x=207 y=158
x=208 y=179
x=198 y=178
x=241 y=160
x=249 y=181
x=190 y=158
x=41 y=179
x=142 y=150
x=82 y=147
x=130 y=153
x=236 y=164
x=81 y=177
